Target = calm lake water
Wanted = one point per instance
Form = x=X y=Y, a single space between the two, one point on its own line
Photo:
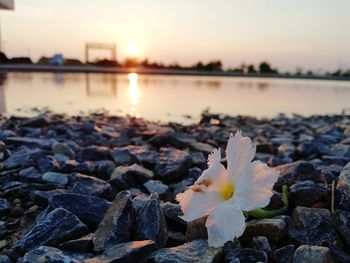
x=170 y=98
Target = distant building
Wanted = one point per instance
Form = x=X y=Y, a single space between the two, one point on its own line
x=57 y=60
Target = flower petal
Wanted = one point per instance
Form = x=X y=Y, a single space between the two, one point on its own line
x=224 y=224
x=240 y=151
x=254 y=189
x=197 y=204
x=216 y=174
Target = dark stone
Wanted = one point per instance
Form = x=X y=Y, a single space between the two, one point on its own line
x=31 y=174
x=94 y=153
x=172 y=213
x=199 y=160
x=284 y=254
x=69 y=166
x=343 y=189
x=312 y=226
x=48 y=164
x=56 y=227
x=246 y=255
x=297 y=171
x=45 y=254
x=181 y=140
x=196 y=229
x=156 y=186
x=273 y=229
x=130 y=252
x=104 y=169
x=172 y=164
x=89 y=185
x=5 y=259
x=308 y=194
x=5 y=207
x=125 y=177
x=195 y=251
x=144 y=156
x=175 y=239
x=89 y=209
x=139 y=202
x=150 y=223
x=83 y=244
x=36 y=122
x=122 y=157
x=262 y=243
x=307 y=254
x=116 y=224
x=341 y=221
x=55 y=178
x=42 y=197
x=62 y=148
x=21 y=158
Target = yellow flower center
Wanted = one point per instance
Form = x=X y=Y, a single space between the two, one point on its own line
x=227 y=191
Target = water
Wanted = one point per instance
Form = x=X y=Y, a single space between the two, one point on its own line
x=170 y=98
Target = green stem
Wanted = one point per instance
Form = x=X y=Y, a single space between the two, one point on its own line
x=262 y=213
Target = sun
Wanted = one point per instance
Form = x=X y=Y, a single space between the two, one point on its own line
x=133 y=50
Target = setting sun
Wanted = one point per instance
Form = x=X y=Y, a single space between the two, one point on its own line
x=133 y=50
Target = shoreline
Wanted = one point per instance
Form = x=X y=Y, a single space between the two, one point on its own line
x=118 y=70
x=109 y=176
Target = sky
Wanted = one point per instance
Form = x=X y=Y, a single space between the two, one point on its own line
x=312 y=34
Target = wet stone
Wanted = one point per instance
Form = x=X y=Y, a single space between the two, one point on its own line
x=150 y=223
x=195 y=251
x=284 y=254
x=89 y=209
x=308 y=194
x=55 y=178
x=116 y=224
x=130 y=252
x=156 y=186
x=21 y=158
x=307 y=254
x=104 y=169
x=45 y=254
x=172 y=164
x=181 y=140
x=56 y=227
x=125 y=177
x=273 y=229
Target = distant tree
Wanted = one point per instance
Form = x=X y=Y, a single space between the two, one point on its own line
x=299 y=71
x=72 y=62
x=3 y=58
x=43 y=61
x=251 y=69
x=106 y=63
x=265 y=68
x=336 y=73
x=131 y=62
x=310 y=73
x=346 y=74
x=20 y=60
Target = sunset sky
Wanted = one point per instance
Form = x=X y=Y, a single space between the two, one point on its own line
x=313 y=34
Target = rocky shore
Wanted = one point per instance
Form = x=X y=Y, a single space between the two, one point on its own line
x=101 y=189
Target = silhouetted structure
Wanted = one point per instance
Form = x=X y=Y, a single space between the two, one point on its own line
x=111 y=47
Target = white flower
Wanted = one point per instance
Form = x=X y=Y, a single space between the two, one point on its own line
x=225 y=194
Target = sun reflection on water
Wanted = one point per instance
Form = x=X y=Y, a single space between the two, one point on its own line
x=134 y=92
